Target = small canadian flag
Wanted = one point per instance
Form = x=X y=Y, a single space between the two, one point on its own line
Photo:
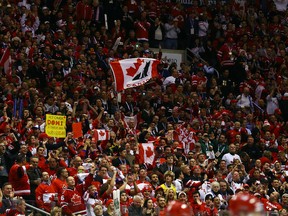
x=6 y=61
x=146 y=153
x=101 y=134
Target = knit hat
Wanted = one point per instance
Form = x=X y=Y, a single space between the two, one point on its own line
x=266 y=123
x=108 y=202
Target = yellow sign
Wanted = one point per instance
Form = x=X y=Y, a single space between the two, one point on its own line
x=55 y=126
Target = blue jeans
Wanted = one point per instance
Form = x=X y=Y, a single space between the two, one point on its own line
x=171 y=43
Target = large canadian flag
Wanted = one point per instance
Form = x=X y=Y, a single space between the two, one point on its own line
x=101 y=134
x=6 y=61
x=146 y=153
x=129 y=73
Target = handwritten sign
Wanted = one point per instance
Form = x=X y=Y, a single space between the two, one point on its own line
x=55 y=126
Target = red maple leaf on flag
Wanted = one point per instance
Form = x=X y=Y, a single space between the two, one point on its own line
x=101 y=133
x=76 y=199
x=132 y=71
x=149 y=152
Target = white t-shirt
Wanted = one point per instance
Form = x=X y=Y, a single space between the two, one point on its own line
x=229 y=158
x=281 y=5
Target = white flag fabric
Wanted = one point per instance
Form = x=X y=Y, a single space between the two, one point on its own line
x=6 y=61
x=82 y=176
x=146 y=153
x=129 y=73
x=116 y=200
x=101 y=134
x=128 y=119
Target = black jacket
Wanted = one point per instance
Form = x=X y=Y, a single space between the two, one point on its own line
x=135 y=211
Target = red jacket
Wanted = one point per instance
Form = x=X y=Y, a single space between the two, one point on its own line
x=52 y=172
x=19 y=180
x=142 y=29
x=45 y=194
x=59 y=186
x=269 y=206
x=225 y=56
x=13 y=212
x=71 y=201
x=198 y=208
x=83 y=11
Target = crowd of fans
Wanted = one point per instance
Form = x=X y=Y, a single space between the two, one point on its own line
x=218 y=123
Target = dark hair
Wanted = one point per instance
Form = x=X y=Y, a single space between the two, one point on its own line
x=20 y=158
x=167 y=146
x=169 y=155
x=102 y=167
x=177 y=173
x=5 y=184
x=160 y=197
x=40 y=146
x=59 y=171
x=121 y=149
x=103 y=189
x=146 y=202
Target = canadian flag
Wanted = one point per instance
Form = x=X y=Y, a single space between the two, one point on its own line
x=146 y=153
x=187 y=136
x=101 y=134
x=6 y=61
x=129 y=73
x=128 y=119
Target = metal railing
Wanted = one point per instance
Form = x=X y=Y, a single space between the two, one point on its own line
x=83 y=212
x=190 y=55
x=37 y=209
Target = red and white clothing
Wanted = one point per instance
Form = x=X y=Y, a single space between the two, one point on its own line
x=143 y=184
x=236 y=185
x=33 y=27
x=276 y=128
x=225 y=55
x=229 y=158
x=45 y=194
x=272 y=104
x=83 y=11
x=19 y=179
x=231 y=135
x=269 y=206
x=71 y=201
x=90 y=203
x=198 y=80
x=142 y=29
x=132 y=6
x=14 y=212
x=59 y=186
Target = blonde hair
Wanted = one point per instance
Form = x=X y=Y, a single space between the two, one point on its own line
x=167 y=195
x=56 y=210
x=169 y=173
